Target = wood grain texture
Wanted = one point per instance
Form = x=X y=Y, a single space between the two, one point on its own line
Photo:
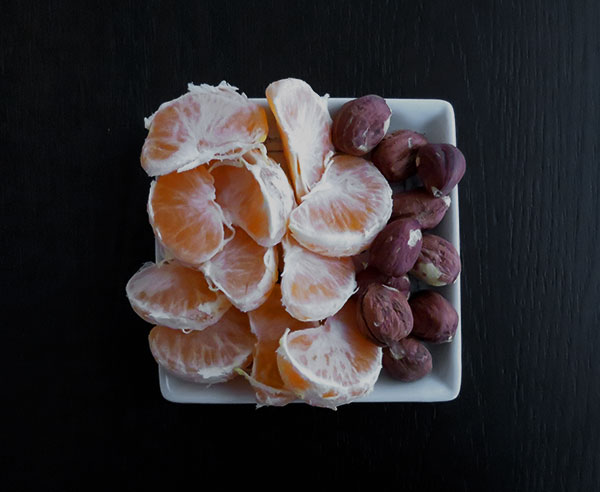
x=83 y=394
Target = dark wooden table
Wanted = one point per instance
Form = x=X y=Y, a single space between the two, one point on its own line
x=80 y=384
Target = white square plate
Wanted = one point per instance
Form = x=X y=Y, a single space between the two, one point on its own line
x=434 y=118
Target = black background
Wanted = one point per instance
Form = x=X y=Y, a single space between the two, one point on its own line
x=80 y=384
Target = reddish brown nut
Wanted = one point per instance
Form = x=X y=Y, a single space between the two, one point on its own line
x=383 y=314
x=360 y=125
x=420 y=205
x=371 y=275
x=435 y=320
x=396 y=154
x=407 y=360
x=440 y=167
x=396 y=248
x=438 y=262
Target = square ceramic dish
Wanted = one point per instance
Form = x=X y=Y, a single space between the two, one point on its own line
x=434 y=118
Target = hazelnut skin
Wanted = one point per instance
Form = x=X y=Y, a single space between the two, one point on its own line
x=383 y=314
x=396 y=248
x=396 y=154
x=440 y=167
x=360 y=125
x=420 y=205
x=407 y=360
x=438 y=262
x=435 y=319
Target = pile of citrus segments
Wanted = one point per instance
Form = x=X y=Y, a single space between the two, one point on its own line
x=259 y=218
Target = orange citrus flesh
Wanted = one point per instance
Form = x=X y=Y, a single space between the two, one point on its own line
x=270 y=320
x=255 y=195
x=345 y=211
x=204 y=124
x=185 y=217
x=305 y=129
x=237 y=187
x=208 y=356
x=332 y=364
x=313 y=286
x=268 y=323
x=172 y=295
x=269 y=389
x=244 y=271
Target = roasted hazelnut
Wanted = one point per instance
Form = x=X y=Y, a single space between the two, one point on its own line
x=371 y=275
x=407 y=360
x=383 y=314
x=438 y=262
x=435 y=320
x=396 y=248
x=440 y=167
x=421 y=206
x=396 y=154
x=360 y=125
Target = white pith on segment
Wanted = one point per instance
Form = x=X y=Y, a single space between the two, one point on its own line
x=194 y=133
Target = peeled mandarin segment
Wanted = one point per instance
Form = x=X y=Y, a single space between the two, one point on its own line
x=255 y=195
x=175 y=296
x=305 y=129
x=206 y=123
x=313 y=286
x=244 y=271
x=208 y=356
x=270 y=320
x=185 y=218
x=264 y=368
x=345 y=211
x=265 y=380
x=268 y=323
x=330 y=365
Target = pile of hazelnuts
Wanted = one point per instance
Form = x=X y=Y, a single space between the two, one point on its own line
x=388 y=313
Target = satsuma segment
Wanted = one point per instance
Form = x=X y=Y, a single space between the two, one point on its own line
x=314 y=287
x=185 y=218
x=305 y=129
x=268 y=323
x=255 y=194
x=206 y=123
x=208 y=356
x=175 y=296
x=244 y=271
x=332 y=364
x=345 y=211
x=269 y=389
